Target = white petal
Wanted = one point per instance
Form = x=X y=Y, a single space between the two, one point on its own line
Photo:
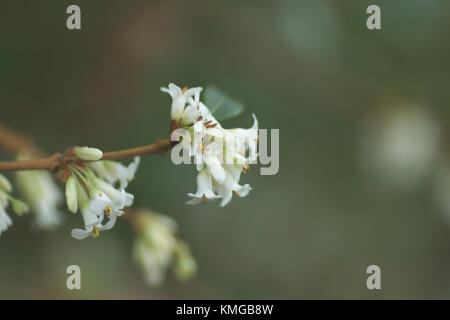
x=109 y=225
x=226 y=197
x=216 y=169
x=97 y=206
x=129 y=200
x=244 y=190
x=80 y=234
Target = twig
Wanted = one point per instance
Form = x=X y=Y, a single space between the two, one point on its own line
x=15 y=142
x=58 y=160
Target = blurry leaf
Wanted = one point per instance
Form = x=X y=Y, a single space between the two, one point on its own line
x=221 y=106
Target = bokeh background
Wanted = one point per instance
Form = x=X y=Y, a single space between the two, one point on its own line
x=362 y=114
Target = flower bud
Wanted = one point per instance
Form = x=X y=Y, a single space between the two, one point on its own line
x=5 y=184
x=88 y=154
x=185 y=265
x=71 y=194
x=19 y=206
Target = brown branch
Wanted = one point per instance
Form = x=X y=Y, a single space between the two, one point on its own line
x=15 y=142
x=58 y=161
x=162 y=146
x=49 y=163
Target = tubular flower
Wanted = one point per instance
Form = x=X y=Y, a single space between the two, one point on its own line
x=113 y=171
x=183 y=110
x=225 y=154
x=184 y=266
x=94 y=210
x=220 y=154
x=87 y=190
x=17 y=205
x=39 y=190
x=156 y=248
x=204 y=188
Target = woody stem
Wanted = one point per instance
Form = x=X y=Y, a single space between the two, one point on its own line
x=57 y=160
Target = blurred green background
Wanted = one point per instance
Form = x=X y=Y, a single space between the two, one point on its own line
x=311 y=69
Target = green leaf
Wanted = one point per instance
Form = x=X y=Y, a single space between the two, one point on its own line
x=221 y=106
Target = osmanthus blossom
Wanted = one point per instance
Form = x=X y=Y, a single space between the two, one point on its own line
x=104 y=201
x=184 y=265
x=93 y=212
x=6 y=199
x=204 y=188
x=156 y=248
x=220 y=154
x=227 y=154
x=181 y=113
x=113 y=171
x=40 y=192
x=91 y=190
x=5 y=219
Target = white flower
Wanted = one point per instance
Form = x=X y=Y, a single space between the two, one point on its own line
x=113 y=171
x=105 y=201
x=17 y=205
x=219 y=153
x=157 y=248
x=184 y=265
x=93 y=212
x=101 y=170
x=102 y=206
x=92 y=223
x=221 y=157
x=97 y=198
x=120 y=197
x=180 y=97
x=39 y=190
x=204 y=189
x=231 y=185
x=243 y=140
x=5 y=220
x=96 y=209
x=153 y=249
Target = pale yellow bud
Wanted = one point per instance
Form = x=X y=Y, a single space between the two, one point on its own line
x=88 y=154
x=71 y=194
x=5 y=184
x=19 y=206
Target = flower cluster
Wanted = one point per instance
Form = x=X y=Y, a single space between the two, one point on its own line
x=91 y=189
x=17 y=205
x=220 y=154
x=156 y=248
x=39 y=191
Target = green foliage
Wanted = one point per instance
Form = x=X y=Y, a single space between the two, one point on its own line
x=221 y=106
